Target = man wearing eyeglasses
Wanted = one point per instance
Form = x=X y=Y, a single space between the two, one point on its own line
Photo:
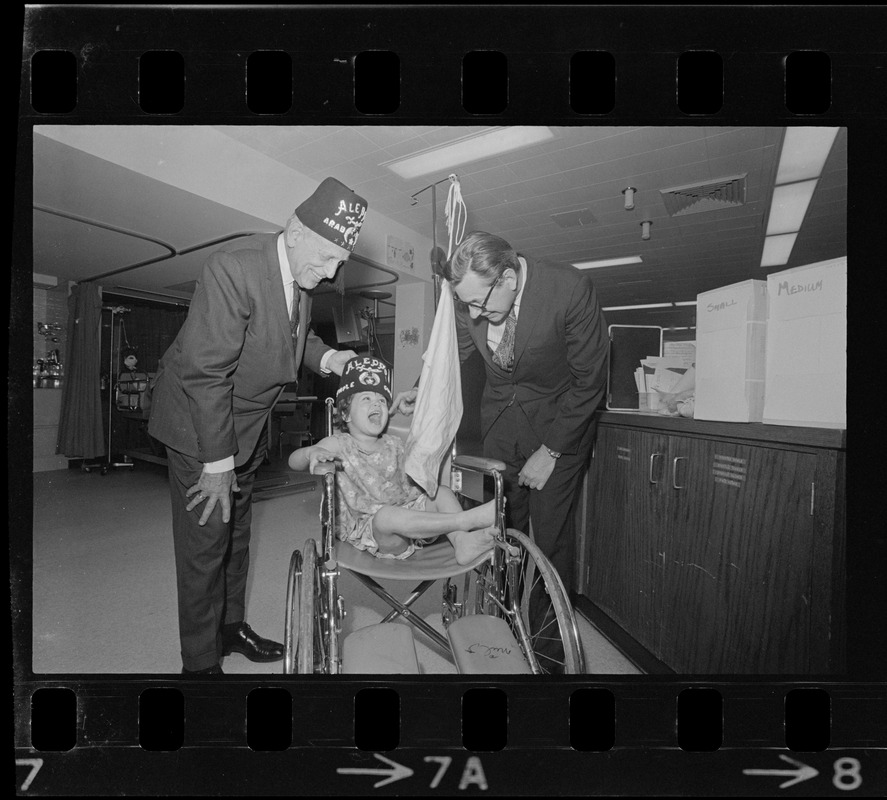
x=539 y=328
x=246 y=334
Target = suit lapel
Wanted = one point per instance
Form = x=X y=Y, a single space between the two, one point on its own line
x=478 y=330
x=274 y=286
x=530 y=309
x=304 y=320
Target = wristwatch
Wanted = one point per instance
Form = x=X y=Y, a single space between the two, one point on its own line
x=552 y=453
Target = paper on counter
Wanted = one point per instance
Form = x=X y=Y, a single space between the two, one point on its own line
x=685 y=351
x=663 y=373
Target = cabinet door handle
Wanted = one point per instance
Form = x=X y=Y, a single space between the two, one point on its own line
x=653 y=456
x=674 y=471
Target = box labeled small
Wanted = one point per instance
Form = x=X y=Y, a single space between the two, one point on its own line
x=731 y=335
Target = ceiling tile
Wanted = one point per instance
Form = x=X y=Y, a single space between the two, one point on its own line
x=514 y=194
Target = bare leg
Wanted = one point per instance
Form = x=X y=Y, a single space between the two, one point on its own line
x=468 y=545
x=471 y=531
x=422 y=524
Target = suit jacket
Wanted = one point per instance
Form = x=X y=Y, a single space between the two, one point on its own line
x=560 y=356
x=220 y=378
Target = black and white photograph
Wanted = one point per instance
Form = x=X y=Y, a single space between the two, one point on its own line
x=447 y=400
x=616 y=355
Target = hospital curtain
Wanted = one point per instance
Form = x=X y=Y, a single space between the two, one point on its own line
x=148 y=326
x=80 y=425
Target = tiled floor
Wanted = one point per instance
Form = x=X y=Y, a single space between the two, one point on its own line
x=104 y=597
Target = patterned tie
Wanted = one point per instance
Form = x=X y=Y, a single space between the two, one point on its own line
x=504 y=355
x=294 y=312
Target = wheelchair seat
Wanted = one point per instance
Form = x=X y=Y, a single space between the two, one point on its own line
x=429 y=563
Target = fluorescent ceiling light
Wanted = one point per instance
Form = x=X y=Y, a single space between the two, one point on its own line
x=777 y=249
x=47 y=280
x=634 y=308
x=650 y=305
x=804 y=151
x=609 y=262
x=469 y=148
x=788 y=207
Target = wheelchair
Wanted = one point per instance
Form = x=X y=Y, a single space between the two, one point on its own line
x=507 y=612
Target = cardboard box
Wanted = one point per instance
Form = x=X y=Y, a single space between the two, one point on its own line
x=807 y=346
x=731 y=334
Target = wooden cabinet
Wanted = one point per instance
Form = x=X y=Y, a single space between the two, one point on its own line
x=718 y=546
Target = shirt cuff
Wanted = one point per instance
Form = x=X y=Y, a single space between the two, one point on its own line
x=325 y=370
x=214 y=467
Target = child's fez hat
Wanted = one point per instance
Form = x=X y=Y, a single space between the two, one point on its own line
x=365 y=374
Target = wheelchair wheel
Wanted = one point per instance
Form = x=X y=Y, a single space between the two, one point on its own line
x=527 y=591
x=308 y=630
x=291 y=615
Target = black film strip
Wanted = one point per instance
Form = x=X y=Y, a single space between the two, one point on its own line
x=566 y=65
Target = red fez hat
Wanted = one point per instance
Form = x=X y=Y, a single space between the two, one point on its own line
x=334 y=212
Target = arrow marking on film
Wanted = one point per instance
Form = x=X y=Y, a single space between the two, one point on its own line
x=802 y=772
x=396 y=773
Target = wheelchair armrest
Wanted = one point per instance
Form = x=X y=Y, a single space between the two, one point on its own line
x=478 y=464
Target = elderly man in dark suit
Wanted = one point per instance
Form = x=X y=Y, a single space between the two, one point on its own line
x=246 y=334
x=542 y=336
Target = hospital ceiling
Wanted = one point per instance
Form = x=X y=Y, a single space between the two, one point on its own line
x=561 y=199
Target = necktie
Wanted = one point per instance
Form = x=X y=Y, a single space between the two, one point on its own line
x=504 y=355
x=294 y=312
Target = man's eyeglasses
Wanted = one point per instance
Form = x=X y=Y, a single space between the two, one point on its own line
x=483 y=306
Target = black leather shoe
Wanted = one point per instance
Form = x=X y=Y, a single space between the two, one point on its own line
x=215 y=669
x=240 y=638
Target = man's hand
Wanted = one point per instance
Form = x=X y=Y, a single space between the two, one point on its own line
x=537 y=470
x=339 y=359
x=405 y=402
x=215 y=487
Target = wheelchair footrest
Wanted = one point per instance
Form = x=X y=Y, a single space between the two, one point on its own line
x=485 y=645
x=386 y=648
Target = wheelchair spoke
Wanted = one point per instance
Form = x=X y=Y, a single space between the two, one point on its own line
x=544 y=622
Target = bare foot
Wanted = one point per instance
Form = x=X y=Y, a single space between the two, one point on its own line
x=481 y=516
x=471 y=544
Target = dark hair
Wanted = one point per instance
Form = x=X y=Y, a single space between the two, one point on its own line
x=486 y=255
x=126 y=352
x=343 y=407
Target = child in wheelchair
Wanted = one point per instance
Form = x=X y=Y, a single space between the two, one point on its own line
x=379 y=509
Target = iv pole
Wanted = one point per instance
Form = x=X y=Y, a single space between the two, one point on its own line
x=110 y=463
x=436 y=268
x=372 y=317
x=437 y=271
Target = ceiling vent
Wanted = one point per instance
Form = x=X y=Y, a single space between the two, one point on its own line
x=574 y=219
x=699 y=197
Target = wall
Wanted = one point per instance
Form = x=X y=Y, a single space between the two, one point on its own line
x=413 y=319
x=189 y=156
